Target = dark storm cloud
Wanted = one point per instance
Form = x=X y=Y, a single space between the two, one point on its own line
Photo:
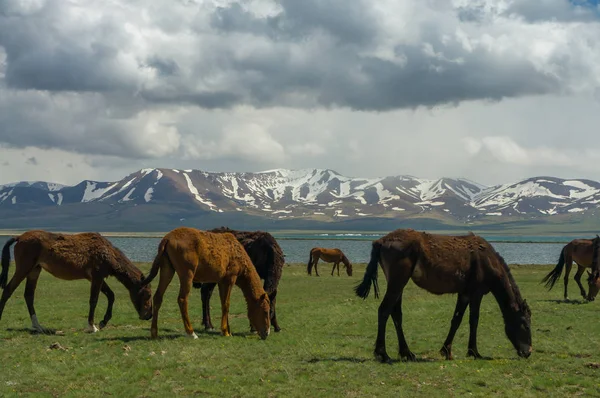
x=41 y=56
x=349 y=22
x=341 y=73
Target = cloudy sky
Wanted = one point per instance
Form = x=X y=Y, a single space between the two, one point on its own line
x=491 y=90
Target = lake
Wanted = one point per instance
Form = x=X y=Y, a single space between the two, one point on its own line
x=514 y=249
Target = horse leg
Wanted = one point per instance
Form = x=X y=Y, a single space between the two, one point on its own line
x=403 y=349
x=206 y=292
x=473 y=322
x=568 y=265
x=273 y=299
x=20 y=274
x=97 y=282
x=185 y=286
x=225 y=287
x=580 y=271
x=30 y=286
x=385 y=310
x=461 y=305
x=316 y=261
x=110 y=296
x=166 y=275
x=333 y=269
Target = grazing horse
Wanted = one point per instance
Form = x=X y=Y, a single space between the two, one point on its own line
x=79 y=256
x=467 y=265
x=267 y=258
x=200 y=256
x=334 y=256
x=578 y=250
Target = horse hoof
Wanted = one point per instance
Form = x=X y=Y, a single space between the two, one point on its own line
x=102 y=324
x=192 y=336
x=277 y=330
x=383 y=358
x=91 y=329
x=447 y=353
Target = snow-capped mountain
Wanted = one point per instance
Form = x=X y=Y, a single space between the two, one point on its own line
x=320 y=194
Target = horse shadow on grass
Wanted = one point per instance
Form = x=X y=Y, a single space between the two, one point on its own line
x=47 y=332
x=362 y=360
x=568 y=301
x=172 y=334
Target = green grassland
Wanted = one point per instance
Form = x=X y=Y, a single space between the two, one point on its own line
x=324 y=349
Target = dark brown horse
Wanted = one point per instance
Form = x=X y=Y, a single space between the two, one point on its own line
x=80 y=256
x=581 y=252
x=267 y=258
x=467 y=265
x=200 y=256
x=335 y=256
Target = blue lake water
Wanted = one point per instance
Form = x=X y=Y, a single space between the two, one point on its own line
x=514 y=249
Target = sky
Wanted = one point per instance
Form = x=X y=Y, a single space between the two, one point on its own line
x=490 y=90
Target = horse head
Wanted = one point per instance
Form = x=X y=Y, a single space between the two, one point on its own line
x=593 y=284
x=347 y=265
x=518 y=329
x=141 y=297
x=259 y=313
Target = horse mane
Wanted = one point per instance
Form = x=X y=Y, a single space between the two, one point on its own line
x=123 y=266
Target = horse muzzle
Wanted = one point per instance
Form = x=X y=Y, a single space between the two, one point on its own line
x=525 y=353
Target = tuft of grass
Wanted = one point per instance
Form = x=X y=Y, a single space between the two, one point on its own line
x=324 y=349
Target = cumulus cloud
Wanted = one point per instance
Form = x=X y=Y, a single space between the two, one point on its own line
x=230 y=84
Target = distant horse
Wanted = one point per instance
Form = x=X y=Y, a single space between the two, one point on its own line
x=200 y=256
x=578 y=250
x=467 y=265
x=79 y=256
x=334 y=256
x=267 y=257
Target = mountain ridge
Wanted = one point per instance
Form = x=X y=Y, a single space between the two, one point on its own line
x=320 y=195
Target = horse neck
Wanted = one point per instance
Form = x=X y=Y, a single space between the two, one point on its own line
x=506 y=295
x=249 y=281
x=128 y=276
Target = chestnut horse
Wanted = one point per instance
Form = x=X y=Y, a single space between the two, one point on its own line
x=467 y=265
x=79 y=256
x=201 y=256
x=581 y=252
x=334 y=256
x=267 y=258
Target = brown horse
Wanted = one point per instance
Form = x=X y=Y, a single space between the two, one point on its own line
x=80 y=256
x=334 y=256
x=267 y=258
x=578 y=250
x=467 y=265
x=200 y=256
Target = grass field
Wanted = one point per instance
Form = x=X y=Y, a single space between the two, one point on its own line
x=324 y=349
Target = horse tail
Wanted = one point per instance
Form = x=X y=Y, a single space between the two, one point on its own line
x=160 y=256
x=309 y=265
x=6 y=261
x=362 y=289
x=553 y=275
